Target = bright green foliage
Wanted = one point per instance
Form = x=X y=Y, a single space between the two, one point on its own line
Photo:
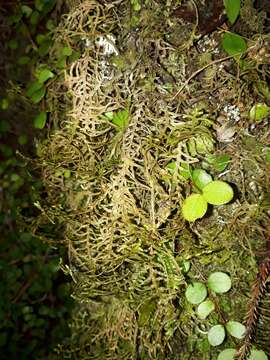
x=136 y=6
x=184 y=169
x=259 y=112
x=120 y=119
x=219 y=282
x=44 y=75
x=236 y=329
x=35 y=297
x=232 y=8
x=267 y=156
x=40 y=120
x=218 y=193
x=257 y=355
x=234 y=44
x=227 y=354
x=216 y=335
x=201 y=178
x=218 y=162
x=4 y=104
x=194 y=207
x=196 y=293
x=205 y=308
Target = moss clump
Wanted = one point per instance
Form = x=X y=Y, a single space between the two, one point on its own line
x=119 y=205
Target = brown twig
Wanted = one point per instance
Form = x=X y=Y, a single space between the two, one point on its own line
x=257 y=293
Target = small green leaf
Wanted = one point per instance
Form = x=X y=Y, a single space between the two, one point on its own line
x=67 y=173
x=22 y=139
x=61 y=62
x=194 y=207
x=4 y=104
x=217 y=192
x=35 y=86
x=201 y=178
x=257 y=355
x=227 y=354
x=23 y=60
x=219 y=282
x=185 y=266
x=39 y=5
x=34 y=18
x=50 y=25
x=267 y=157
x=74 y=56
x=232 y=8
x=233 y=44
x=120 y=119
x=205 y=308
x=45 y=75
x=196 y=293
x=40 y=120
x=13 y=44
x=45 y=47
x=259 y=112
x=236 y=329
x=40 y=38
x=218 y=162
x=216 y=335
x=38 y=95
x=183 y=170
x=66 y=51
x=26 y=10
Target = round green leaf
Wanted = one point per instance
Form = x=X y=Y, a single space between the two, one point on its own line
x=259 y=112
x=196 y=293
x=201 y=178
x=194 y=207
x=233 y=44
x=205 y=308
x=236 y=329
x=219 y=282
x=40 y=120
x=257 y=355
x=217 y=192
x=66 y=51
x=227 y=354
x=216 y=335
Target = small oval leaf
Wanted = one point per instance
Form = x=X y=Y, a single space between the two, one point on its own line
x=257 y=355
x=233 y=44
x=45 y=75
x=205 y=308
x=196 y=293
x=232 y=8
x=227 y=354
x=219 y=282
x=38 y=95
x=217 y=192
x=40 y=120
x=216 y=335
x=201 y=178
x=194 y=207
x=236 y=329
